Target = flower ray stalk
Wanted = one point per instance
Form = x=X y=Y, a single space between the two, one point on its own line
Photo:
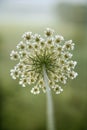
x=50 y=114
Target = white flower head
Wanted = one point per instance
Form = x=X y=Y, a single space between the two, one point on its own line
x=29 y=47
x=69 y=45
x=67 y=55
x=58 y=89
x=42 y=43
x=71 y=64
x=23 y=54
x=21 y=45
x=48 y=32
x=27 y=36
x=59 y=38
x=63 y=79
x=14 y=55
x=35 y=90
x=35 y=52
x=20 y=66
x=14 y=73
x=37 y=38
x=59 y=48
x=72 y=74
x=50 y=41
x=23 y=82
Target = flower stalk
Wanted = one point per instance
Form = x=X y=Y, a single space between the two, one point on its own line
x=44 y=64
x=50 y=114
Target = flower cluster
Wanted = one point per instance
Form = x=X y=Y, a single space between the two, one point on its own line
x=34 y=52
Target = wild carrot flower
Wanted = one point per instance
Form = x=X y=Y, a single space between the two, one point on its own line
x=52 y=52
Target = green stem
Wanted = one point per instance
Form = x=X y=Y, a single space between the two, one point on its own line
x=50 y=115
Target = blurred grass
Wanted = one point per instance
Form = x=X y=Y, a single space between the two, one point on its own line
x=23 y=111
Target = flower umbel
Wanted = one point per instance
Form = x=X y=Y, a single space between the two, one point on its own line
x=52 y=52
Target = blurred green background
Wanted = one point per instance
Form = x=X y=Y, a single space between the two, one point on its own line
x=20 y=110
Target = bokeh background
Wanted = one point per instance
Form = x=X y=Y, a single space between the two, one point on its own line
x=20 y=110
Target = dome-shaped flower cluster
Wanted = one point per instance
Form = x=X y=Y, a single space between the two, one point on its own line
x=35 y=52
